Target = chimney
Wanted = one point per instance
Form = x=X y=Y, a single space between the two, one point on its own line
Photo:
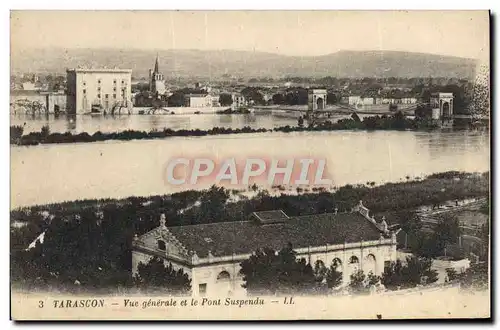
x=163 y=221
x=383 y=225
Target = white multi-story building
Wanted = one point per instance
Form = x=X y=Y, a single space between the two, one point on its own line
x=98 y=88
x=198 y=100
x=211 y=253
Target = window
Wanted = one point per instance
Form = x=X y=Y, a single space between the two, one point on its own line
x=354 y=260
x=107 y=96
x=99 y=81
x=337 y=263
x=114 y=89
x=98 y=89
x=223 y=276
x=387 y=265
x=98 y=96
x=162 y=245
x=202 y=288
x=84 y=91
x=114 y=96
x=84 y=83
x=114 y=81
x=123 y=81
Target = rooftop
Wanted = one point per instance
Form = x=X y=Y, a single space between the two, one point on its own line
x=275 y=231
x=101 y=70
x=196 y=95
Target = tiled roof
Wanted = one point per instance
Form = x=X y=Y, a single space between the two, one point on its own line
x=196 y=95
x=242 y=237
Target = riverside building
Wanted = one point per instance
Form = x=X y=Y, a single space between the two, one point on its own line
x=98 y=90
x=211 y=253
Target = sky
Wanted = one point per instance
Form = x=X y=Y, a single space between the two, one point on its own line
x=299 y=33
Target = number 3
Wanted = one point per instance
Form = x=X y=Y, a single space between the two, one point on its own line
x=40 y=304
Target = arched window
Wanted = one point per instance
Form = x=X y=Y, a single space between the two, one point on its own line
x=223 y=276
x=337 y=263
x=162 y=245
x=319 y=264
x=370 y=258
x=370 y=264
x=319 y=269
x=354 y=260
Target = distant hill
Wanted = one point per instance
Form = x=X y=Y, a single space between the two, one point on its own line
x=198 y=63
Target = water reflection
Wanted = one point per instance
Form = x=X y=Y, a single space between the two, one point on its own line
x=108 y=124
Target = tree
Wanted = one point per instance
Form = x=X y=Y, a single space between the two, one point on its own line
x=357 y=284
x=268 y=272
x=278 y=99
x=446 y=232
x=331 y=98
x=448 y=229
x=398 y=121
x=451 y=274
x=45 y=131
x=300 y=121
x=333 y=276
x=320 y=271
x=253 y=94
x=416 y=271
x=355 y=117
x=155 y=276
x=225 y=99
x=176 y=99
x=16 y=132
x=410 y=222
x=476 y=276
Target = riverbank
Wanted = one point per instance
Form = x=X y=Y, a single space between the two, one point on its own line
x=241 y=111
x=396 y=122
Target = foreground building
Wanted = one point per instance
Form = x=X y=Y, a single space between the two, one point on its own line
x=211 y=253
x=98 y=90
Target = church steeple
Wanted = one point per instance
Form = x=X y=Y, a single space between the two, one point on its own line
x=156 y=65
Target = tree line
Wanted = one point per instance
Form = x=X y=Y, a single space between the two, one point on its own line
x=392 y=122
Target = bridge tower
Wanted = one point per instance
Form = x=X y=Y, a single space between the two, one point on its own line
x=316 y=99
x=442 y=106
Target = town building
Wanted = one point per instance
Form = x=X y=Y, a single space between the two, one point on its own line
x=353 y=100
x=98 y=90
x=215 y=100
x=238 y=100
x=37 y=102
x=211 y=253
x=197 y=100
x=156 y=80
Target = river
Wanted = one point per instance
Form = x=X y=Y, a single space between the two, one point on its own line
x=108 y=124
x=60 y=172
x=118 y=123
